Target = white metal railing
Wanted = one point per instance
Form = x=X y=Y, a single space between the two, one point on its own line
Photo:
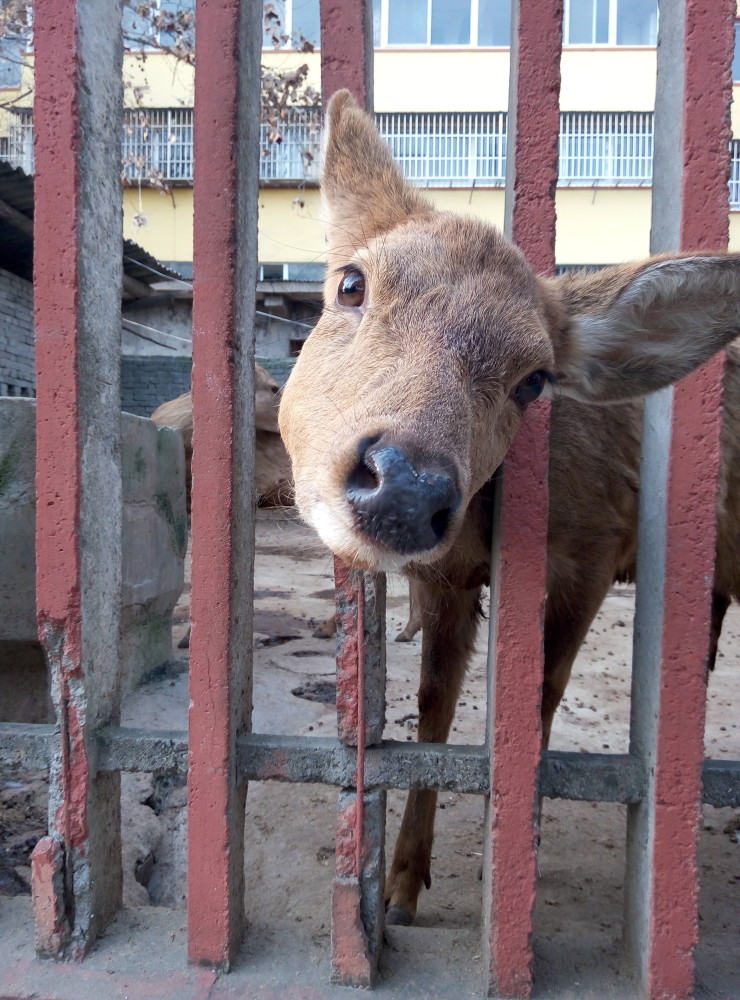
x=606 y=148
x=20 y=140
x=158 y=144
x=735 y=175
x=453 y=149
x=295 y=156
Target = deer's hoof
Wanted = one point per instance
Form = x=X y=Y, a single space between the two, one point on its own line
x=398 y=917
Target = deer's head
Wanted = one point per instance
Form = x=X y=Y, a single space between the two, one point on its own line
x=436 y=336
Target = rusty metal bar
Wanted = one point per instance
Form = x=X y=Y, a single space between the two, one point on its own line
x=76 y=870
x=520 y=536
x=681 y=455
x=225 y=266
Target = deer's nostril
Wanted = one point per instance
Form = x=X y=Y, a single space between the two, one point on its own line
x=364 y=478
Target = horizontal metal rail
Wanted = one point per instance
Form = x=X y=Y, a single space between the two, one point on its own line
x=584 y=777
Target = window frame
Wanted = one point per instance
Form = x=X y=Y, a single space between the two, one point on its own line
x=611 y=42
x=384 y=43
x=288 y=30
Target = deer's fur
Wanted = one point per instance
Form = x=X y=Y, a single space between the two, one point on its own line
x=433 y=360
x=272 y=465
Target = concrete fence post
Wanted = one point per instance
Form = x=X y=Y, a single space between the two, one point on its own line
x=520 y=535
x=681 y=455
x=76 y=870
x=227 y=119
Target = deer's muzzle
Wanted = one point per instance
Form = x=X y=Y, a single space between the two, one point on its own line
x=403 y=505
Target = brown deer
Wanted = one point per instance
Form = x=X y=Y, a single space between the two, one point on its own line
x=435 y=337
x=272 y=467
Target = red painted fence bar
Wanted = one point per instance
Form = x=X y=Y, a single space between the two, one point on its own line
x=76 y=869
x=676 y=561
x=520 y=537
x=358 y=885
x=225 y=269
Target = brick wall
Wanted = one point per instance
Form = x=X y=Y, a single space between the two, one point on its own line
x=146 y=382
x=17 y=359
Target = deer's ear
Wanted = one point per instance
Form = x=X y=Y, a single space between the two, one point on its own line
x=628 y=331
x=363 y=189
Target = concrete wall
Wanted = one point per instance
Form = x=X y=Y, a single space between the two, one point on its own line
x=17 y=360
x=154 y=545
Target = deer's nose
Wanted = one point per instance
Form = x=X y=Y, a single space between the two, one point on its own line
x=403 y=505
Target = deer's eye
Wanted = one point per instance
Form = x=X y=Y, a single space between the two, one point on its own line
x=531 y=387
x=351 y=293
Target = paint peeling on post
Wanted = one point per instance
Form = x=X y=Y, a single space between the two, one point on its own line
x=358 y=886
x=76 y=870
x=520 y=536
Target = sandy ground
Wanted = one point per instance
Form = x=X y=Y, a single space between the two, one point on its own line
x=290 y=829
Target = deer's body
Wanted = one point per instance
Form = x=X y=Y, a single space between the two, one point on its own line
x=272 y=466
x=435 y=337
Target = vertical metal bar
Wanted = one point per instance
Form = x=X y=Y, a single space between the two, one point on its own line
x=347 y=49
x=357 y=890
x=678 y=510
x=225 y=267
x=519 y=567
x=77 y=282
x=358 y=887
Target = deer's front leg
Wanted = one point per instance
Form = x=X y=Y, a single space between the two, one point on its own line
x=449 y=621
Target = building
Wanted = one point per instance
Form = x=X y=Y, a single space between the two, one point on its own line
x=441 y=90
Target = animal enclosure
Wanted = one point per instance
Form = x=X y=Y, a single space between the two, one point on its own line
x=662 y=779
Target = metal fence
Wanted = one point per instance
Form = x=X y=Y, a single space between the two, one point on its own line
x=448 y=149
x=77 y=868
x=158 y=144
x=612 y=149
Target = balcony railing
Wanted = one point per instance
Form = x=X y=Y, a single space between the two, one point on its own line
x=434 y=150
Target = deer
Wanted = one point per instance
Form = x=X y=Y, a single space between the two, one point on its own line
x=435 y=337
x=272 y=468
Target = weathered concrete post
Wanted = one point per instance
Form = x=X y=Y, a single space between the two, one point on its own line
x=681 y=454
x=225 y=261
x=77 y=276
x=357 y=890
x=520 y=535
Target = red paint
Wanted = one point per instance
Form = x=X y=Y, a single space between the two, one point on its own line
x=350 y=955
x=515 y=736
x=346 y=53
x=537 y=131
x=215 y=862
x=691 y=512
x=47 y=880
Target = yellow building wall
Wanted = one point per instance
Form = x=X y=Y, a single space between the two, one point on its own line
x=478 y=80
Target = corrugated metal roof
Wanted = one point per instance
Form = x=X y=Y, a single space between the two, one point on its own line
x=16 y=246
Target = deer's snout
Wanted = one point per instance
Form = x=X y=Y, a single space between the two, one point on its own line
x=404 y=505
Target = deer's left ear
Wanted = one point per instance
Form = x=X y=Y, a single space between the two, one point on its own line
x=628 y=331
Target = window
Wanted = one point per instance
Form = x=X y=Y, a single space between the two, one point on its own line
x=611 y=22
x=158 y=144
x=736 y=56
x=442 y=23
x=298 y=20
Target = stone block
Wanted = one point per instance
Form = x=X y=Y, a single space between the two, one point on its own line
x=154 y=541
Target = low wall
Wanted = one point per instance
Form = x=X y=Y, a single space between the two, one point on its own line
x=154 y=545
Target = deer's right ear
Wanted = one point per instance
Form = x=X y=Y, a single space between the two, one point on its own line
x=363 y=190
x=632 y=329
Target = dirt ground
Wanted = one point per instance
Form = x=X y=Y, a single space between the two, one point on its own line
x=290 y=829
